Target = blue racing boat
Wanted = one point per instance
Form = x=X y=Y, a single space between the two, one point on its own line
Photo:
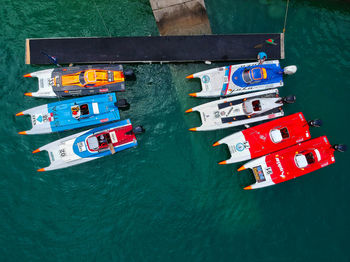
x=74 y=113
x=91 y=144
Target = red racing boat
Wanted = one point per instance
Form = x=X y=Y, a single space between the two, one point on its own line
x=292 y=162
x=268 y=137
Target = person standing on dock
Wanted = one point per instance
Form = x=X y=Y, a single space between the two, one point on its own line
x=262 y=56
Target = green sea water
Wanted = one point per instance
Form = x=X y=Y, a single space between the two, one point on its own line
x=167 y=199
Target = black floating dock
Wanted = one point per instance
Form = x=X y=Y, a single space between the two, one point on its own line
x=154 y=49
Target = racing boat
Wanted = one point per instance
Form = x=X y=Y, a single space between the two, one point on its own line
x=292 y=162
x=267 y=137
x=235 y=79
x=80 y=80
x=89 y=145
x=240 y=110
x=74 y=113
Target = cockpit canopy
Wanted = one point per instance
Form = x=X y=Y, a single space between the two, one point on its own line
x=99 y=141
x=80 y=110
x=304 y=159
x=255 y=74
x=87 y=77
x=251 y=106
x=278 y=135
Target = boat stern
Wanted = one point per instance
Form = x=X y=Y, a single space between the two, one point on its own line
x=238 y=147
x=262 y=173
x=45 y=84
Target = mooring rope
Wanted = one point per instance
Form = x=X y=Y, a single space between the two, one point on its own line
x=285 y=17
x=98 y=11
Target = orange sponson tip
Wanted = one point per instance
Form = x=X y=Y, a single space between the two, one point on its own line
x=22 y=133
x=190 y=76
x=248 y=188
x=28 y=94
x=27 y=75
x=193 y=129
x=36 y=151
x=19 y=114
x=222 y=162
x=193 y=94
x=241 y=168
x=41 y=170
x=216 y=144
x=189 y=110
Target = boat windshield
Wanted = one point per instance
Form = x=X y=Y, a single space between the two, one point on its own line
x=256 y=105
x=303 y=160
x=246 y=76
x=103 y=140
x=310 y=158
x=84 y=109
x=284 y=133
x=81 y=78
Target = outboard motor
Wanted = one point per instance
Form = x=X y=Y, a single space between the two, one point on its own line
x=339 y=147
x=138 y=130
x=289 y=99
x=315 y=123
x=122 y=104
x=129 y=74
x=290 y=70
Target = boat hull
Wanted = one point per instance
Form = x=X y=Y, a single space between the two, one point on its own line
x=285 y=164
x=58 y=116
x=78 y=81
x=230 y=112
x=76 y=149
x=265 y=138
x=228 y=81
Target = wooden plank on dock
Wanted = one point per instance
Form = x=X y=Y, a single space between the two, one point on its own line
x=27 y=59
x=153 y=49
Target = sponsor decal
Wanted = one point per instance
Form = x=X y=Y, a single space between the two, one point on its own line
x=262 y=137
x=324 y=164
x=301 y=117
x=271 y=116
x=33 y=120
x=268 y=171
x=104 y=90
x=104 y=120
x=278 y=162
x=259 y=174
x=205 y=79
x=240 y=147
x=39 y=118
x=62 y=152
x=81 y=146
x=52 y=157
x=113 y=137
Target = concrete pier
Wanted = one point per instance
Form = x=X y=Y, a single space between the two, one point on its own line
x=181 y=17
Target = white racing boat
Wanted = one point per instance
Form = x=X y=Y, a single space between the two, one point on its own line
x=242 y=78
x=241 y=110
